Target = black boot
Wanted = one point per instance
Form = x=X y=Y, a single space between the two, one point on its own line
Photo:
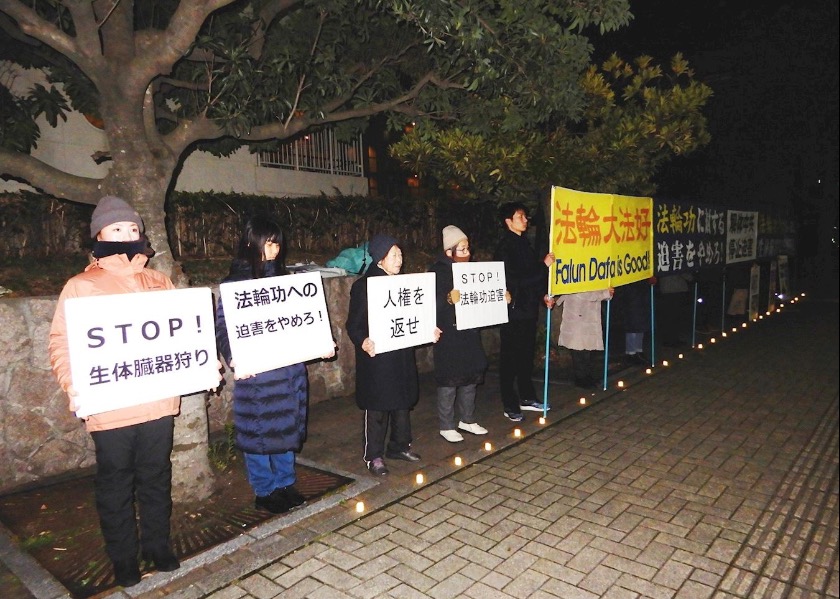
x=274 y=503
x=126 y=572
x=290 y=495
x=162 y=559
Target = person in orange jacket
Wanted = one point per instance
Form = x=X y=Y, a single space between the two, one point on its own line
x=133 y=444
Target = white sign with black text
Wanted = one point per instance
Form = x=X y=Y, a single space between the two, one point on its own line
x=401 y=311
x=276 y=321
x=481 y=286
x=134 y=348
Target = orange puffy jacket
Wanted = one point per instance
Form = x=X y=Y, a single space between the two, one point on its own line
x=108 y=276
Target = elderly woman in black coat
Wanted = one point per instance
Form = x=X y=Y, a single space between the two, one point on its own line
x=460 y=361
x=386 y=384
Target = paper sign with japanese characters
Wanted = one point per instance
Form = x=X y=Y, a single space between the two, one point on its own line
x=276 y=321
x=755 y=276
x=688 y=237
x=784 y=278
x=401 y=311
x=134 y=348
x=741 y=236
x=599 y=240
x=481 y=286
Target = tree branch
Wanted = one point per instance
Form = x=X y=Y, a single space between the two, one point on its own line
x=267 y=14
x=116 y=28
x=161 y=50
x=34 y=26
x=49 y=179
x=189 y=131
x=87 y=31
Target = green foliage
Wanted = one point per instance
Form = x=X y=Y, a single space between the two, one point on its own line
x=42 y=539
x=205 y=228
x=222 y=451
x=18 y=131
x=515 y=61
x=635 y=118
x=167 y=77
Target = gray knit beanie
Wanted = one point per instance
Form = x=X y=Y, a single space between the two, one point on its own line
x=110 y=210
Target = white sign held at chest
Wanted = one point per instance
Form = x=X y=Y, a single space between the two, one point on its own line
x=276 y=321
x=134 y=348
x=481 y=286
x=401 y=311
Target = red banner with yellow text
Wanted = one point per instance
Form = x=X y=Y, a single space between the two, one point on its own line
x=599 y=240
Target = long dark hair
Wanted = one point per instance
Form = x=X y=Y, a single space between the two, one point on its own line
x=257 y=232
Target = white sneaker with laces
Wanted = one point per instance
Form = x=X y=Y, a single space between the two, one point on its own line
x=451 y=435
x=473 y=427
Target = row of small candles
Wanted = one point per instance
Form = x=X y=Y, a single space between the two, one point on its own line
x=420 y=478
x=458 y=461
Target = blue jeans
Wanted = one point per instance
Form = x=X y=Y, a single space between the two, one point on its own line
x=634 y=343
x=269 y=472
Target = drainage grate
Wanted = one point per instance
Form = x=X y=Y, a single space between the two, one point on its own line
x=58 y=526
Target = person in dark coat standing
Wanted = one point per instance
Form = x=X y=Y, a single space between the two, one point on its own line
x=527 y=282
x=634 y=301
x=386 y=384
x=460 y=361
x=269 y=408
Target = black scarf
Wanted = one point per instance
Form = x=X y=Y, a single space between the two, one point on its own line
x=101 y=249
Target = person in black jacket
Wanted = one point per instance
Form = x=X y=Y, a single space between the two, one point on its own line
x=270 y=408
x=527 y=283
x=460 y=361
x=386 y=384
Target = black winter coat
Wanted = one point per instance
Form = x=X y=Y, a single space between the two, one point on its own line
x=459 y=355
x=634 y=302
x=269 y=409
x=386 y=381
x=525 y=273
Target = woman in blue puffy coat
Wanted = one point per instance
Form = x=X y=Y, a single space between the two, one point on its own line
x=270 y=408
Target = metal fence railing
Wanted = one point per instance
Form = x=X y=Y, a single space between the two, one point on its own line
x=317 y=152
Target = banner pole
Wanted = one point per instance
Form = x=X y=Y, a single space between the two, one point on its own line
x=723 y=303
x=547 y=349
x=652 y=330
x=607 y=346
x=694 y=316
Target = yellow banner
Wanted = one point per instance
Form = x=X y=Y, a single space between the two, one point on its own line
x=599 y=240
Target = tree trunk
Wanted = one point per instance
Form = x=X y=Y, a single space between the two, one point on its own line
x=144 y=182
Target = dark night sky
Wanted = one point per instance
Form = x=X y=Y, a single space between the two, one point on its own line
x=773 y=67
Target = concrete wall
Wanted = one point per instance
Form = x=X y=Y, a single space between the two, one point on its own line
x=41 y=438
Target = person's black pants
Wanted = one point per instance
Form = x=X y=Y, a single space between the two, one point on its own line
x=376 y=427
x=582 y=367
x=516 y=363
x=134 y=462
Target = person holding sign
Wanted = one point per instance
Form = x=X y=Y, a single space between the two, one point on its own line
x=581 y=331
x=386 y=383
x=269 y=408
x=133 y=444
x=459 y=357
x=527 y=281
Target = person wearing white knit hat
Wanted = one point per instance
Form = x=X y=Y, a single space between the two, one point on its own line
x=459 y=357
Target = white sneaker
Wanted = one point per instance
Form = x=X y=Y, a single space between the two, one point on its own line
x=452 y=436
x=473 y=428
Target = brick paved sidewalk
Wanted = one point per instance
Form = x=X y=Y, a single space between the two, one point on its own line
x=717 y=477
